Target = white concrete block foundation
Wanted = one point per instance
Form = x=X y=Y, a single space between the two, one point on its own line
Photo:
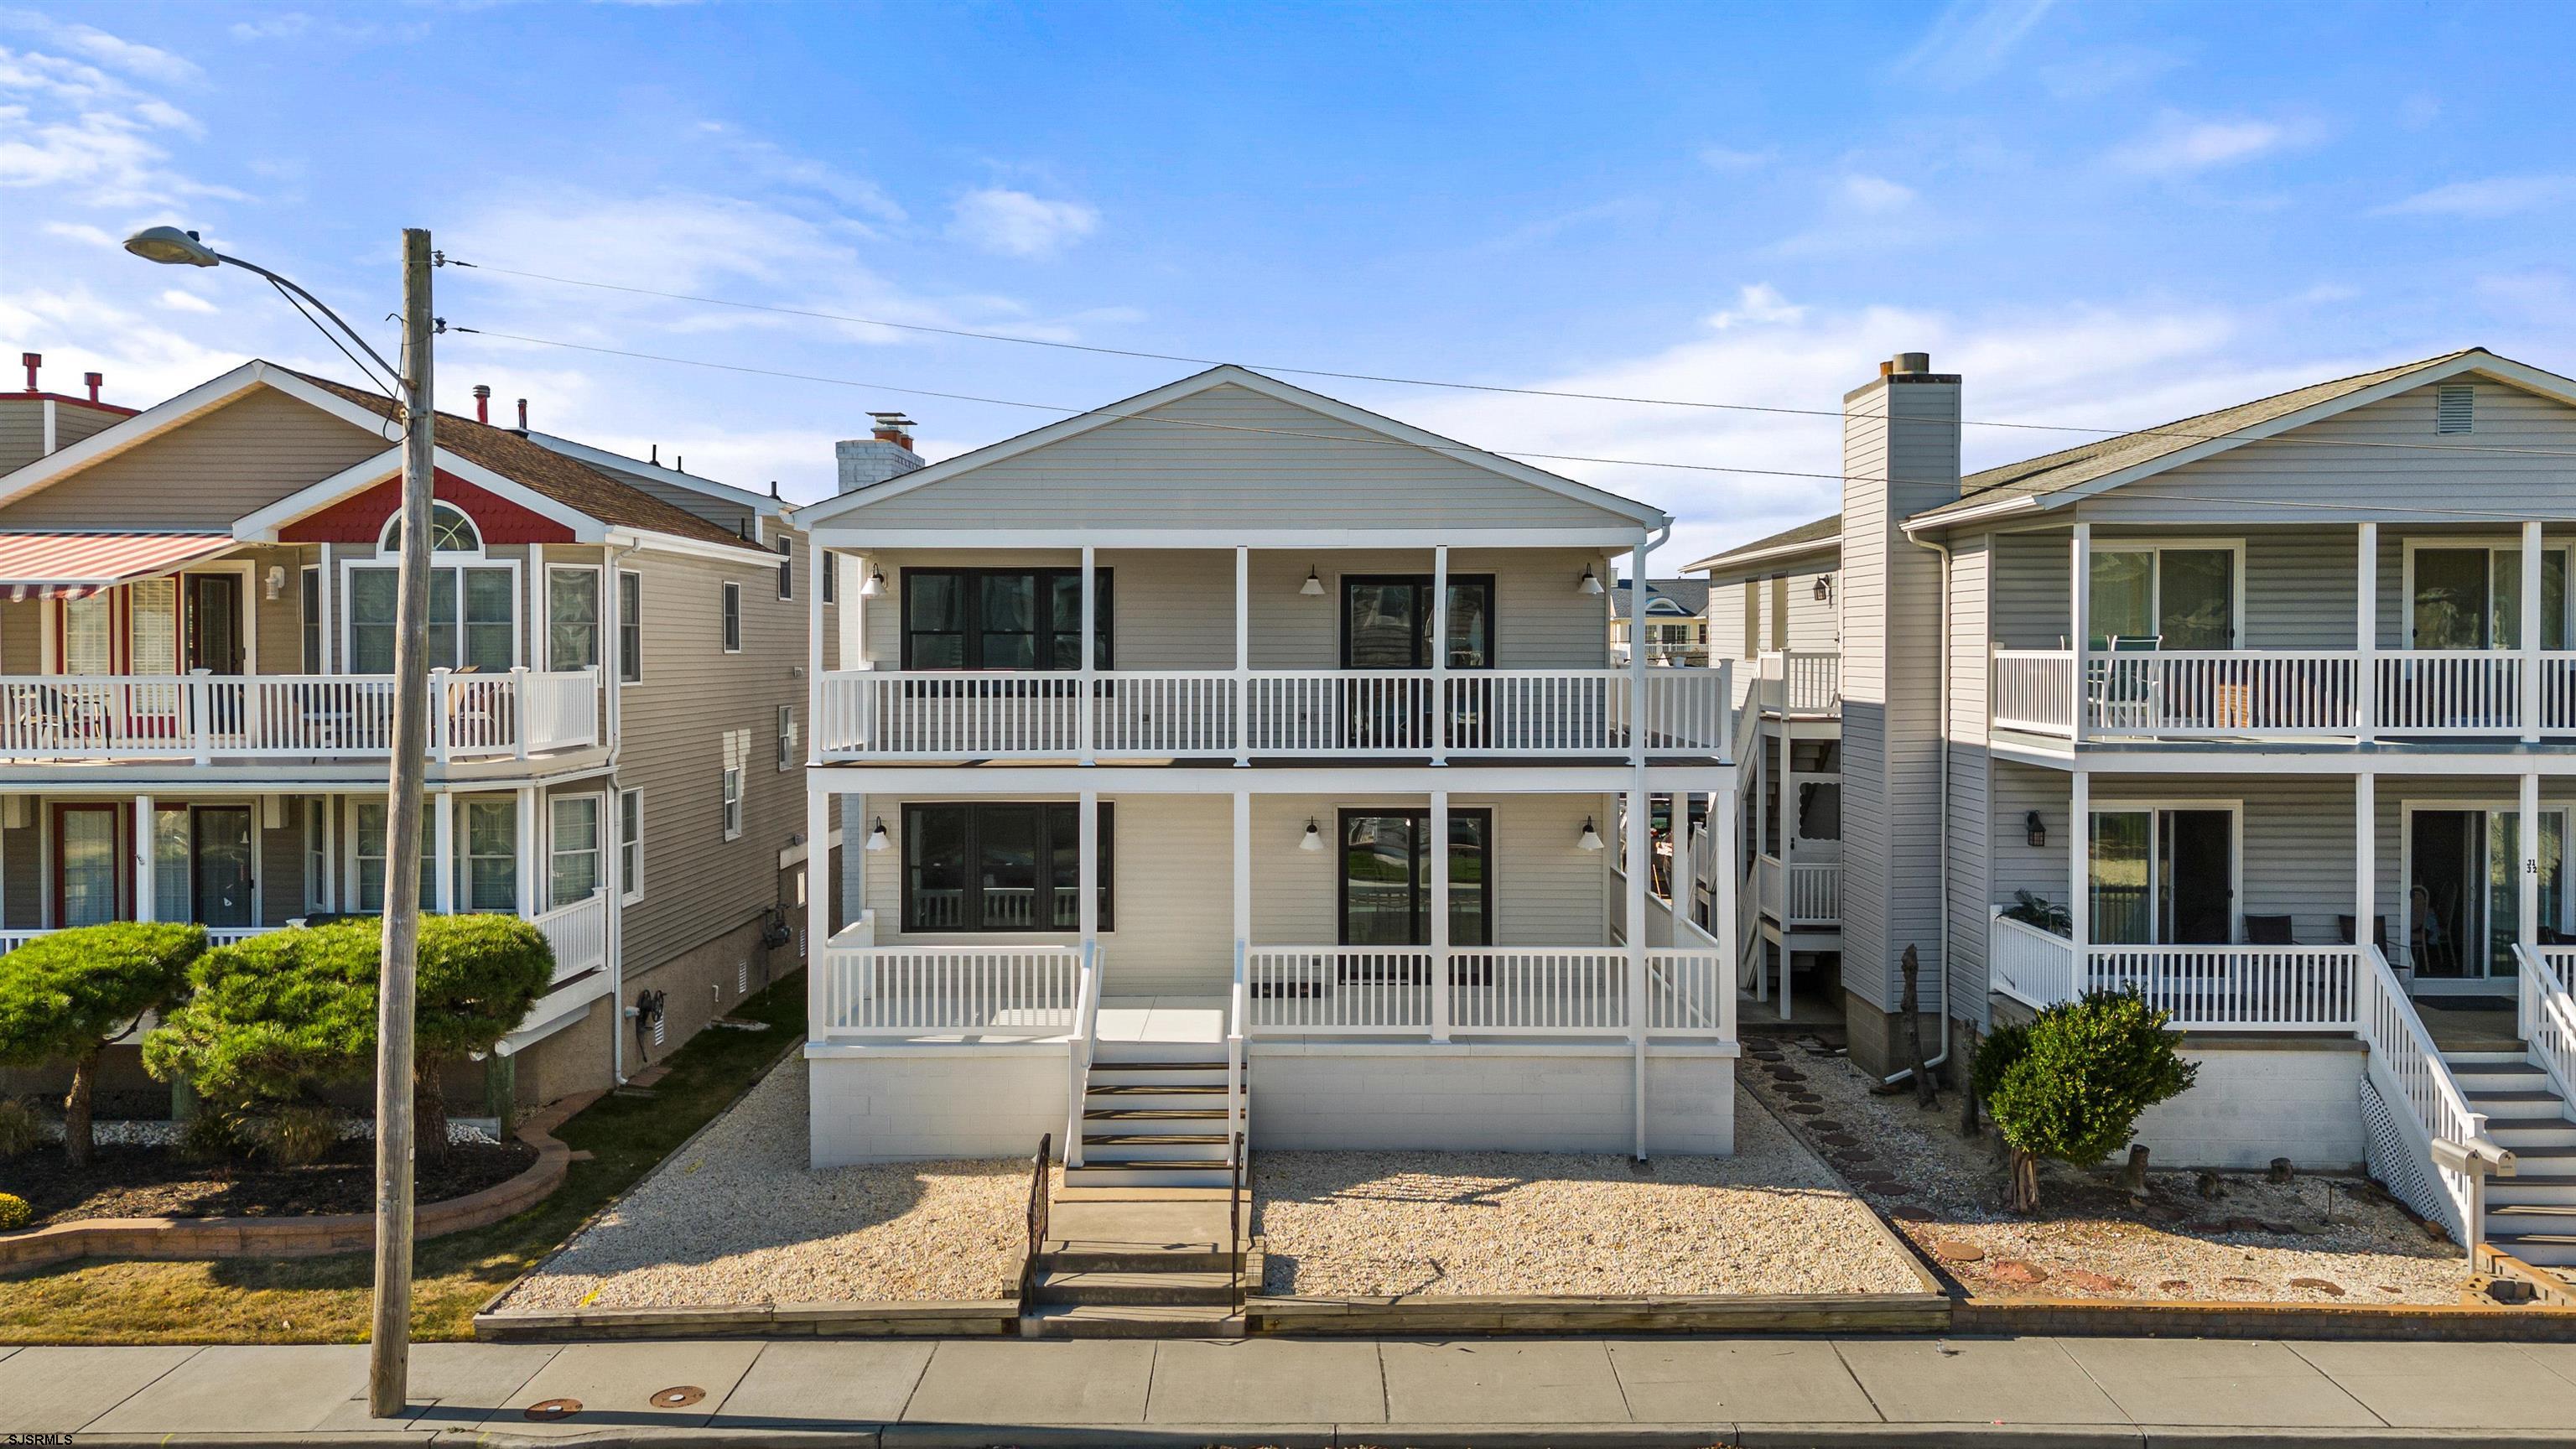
x=2261 y=1097
x=1490 y=1097
x=919 y=1101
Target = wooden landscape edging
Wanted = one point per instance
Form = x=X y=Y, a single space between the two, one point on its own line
x=1402 y=1315
x=291 y=1237
x=956 y=1318
x=2091 y=1318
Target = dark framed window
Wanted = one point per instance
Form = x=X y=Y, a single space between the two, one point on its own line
x=829 y=577
x=997 y=866
x=630 y=625
x=1386 y=877
x=1386 y=621
x=1025 y=619
x=733 y=618
x=312 y=602
x=786 y=569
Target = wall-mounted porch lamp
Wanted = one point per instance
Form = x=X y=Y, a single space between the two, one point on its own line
x=1590 y=583
x=1824 y=588
x=1313 y=588
x=873 y=584
x=877 y=838
x=2037 y=831
x=276 y=585
x=1590 y=839
x=1313 y=839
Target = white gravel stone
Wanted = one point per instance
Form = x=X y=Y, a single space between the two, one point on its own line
x=737 y=1217
x=1768 y=1220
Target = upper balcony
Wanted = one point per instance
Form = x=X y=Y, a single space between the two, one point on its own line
x=2281 y=694
x=1804 y=683
x=205 y=717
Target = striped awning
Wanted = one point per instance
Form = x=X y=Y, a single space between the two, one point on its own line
x=77 y=565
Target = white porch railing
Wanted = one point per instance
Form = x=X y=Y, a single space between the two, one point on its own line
x=1690 y=988
x=2030 y=965
x=1800 y=681
x=1131 y=714
x=2235 y=988
x=2426 y=691
x=1800 y=892
x=215 y=935
x=1338 y=990
x=208 y=717
x=872 y=990
x=2548 y=1015
x=2412 y=1078
x=578 y=934
x=1544 y=991
x=2035 y=690
x=2262 y=694
x=2558 y=692
x=2558 y=959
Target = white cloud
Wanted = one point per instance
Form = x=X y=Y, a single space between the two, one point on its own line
x=2180 y=145
x=1016 y=224
x=69 y=126
x=1728 y=158
x=2492 y=197
x=144 y=360
x=178 y=301
x=2086 y=77
x=80 y=232
x=1875 y=194
x=1971 y=40
x=132 y=57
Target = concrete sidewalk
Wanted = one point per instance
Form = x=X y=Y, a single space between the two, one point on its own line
x=1484 y=1392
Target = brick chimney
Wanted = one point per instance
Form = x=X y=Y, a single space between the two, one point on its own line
x=885 y=453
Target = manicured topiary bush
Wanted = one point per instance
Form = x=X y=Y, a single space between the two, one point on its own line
x=278 y=1018
x=65 y=995
x=2073 y=1083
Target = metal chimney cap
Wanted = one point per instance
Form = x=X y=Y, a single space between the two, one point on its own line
x=1911 y=362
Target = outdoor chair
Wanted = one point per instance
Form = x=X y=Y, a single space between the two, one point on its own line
x=2269 y=931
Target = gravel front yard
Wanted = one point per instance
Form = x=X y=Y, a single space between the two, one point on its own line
x=2315 y=1239
x=736 y=1217
x=1768 y=1220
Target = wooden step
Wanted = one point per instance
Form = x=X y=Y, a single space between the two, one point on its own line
x=1153 y=1114
x=1154 y=1089
x=1214 y=1066
x=1134 y=1288
x=1100 y=1320
x=1154 y=1139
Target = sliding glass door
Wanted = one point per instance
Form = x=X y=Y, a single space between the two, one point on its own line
x=2471 y=598
x=1386 y=877
x=2464 y=894
x=2163 y=598
x=2162 y=877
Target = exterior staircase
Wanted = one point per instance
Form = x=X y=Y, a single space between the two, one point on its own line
x=1155 y=1115
x=2532 y=1214
x=1140 y=1284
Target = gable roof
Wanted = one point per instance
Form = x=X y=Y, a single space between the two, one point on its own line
x=561 y=477
x=618 y=465
x=1685 y=596
x=1132 y=409
x=1805 y=538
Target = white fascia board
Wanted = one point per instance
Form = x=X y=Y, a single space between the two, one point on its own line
x=650 y=541
x=1732 y=562
x=1226 y=375
x=620 y=463
x=2531 y=379
x=263 y=526
x=2503 y=761
x=794 y=855
x=553 y=1012
x=860 y=539
x=161 y=417
x=930 y=782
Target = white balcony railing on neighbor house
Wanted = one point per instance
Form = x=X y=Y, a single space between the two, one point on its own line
x=578 y=933
x=1539 y=991
x=1153 y=714
x=206 y=717
x=215 y=936
x=2206 y=988
x=862 y=989
x=1801 y=892
x=2281 y=694
x=1799 y=681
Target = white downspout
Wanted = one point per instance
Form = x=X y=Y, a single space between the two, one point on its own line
x=1941 y=692
x=612 y=680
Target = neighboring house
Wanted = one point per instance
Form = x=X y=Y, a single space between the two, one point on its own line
x=1233 y=745
x=1676 y=622
x=34 y=423
x=197 y=637
x=2280 y=699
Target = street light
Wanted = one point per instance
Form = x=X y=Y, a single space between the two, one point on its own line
x=389 y=1359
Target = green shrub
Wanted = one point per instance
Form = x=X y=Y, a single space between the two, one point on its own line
x=2073 y=1084
x=292 y=1136
x=67 y=994
x=21 y=1130
x=280 y=1017
x=14 y=1212
x=212 y=1137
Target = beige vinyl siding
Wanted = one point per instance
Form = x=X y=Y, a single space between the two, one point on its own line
x=1173 y=901
x=72 y=423
x=1174 y=608
x=22 y=432
x=697 y=884
x=2286 y=478
x=1288 y=467
x=2032 y=606
x=234 y=460
x=22 y=649
x=1965 y=818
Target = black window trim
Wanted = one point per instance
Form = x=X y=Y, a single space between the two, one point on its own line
x=912 y=835
x=1493 y=630
x=1342 y=866
x=971 y=633
x=729 y=618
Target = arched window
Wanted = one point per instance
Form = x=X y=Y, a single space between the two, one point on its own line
x=450 y=531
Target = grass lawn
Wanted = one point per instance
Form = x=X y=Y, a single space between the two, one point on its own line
x=324 y=1300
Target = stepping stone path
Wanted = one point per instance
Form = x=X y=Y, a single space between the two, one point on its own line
x=2246 y=1282
x=2020 y=1273
x=1838 y=1139
x=1910 y=1215
x=1806 y=1109
x=2090 y=1281
x=2175 y=1285
x=1952 y=1250
x=2318 y=1285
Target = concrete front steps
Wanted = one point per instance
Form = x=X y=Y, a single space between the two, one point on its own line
x=1154 y=1265
x=2532 y=1214
x=1154 y=1115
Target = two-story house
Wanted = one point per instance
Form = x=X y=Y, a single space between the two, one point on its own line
x=196 y=646
x=1234 y=758
x=1676 y=622
x=2269 y=714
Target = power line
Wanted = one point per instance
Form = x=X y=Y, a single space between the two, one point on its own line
x=1400 y=381
x=1444 y=449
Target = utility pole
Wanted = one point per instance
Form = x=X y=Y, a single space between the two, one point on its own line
x=389 y=1350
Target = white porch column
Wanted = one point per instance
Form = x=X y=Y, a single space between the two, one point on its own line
x=444 y=888
x=1440 y=657
x=330 y=619
x=818 y=906
x=1725 y=825
x=2079 y=860
x=816 y=561
x=145 y=904
x=1087 y=713
x=1242 y=887
x=1788 y=803
x=1088 y=842
x=2080 y=604
x=2365 y=857
x=856 y=826
x=2365 y=636
x=527 y=833
x=1640 y=871
x=2531 y=634
x=2527 y=873
x=1637 y=664
x=1242 y=656
x=1685 y=893
x=1435 y=852
x=330 y=896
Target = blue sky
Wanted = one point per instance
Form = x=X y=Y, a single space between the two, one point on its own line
x=2099 y=214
